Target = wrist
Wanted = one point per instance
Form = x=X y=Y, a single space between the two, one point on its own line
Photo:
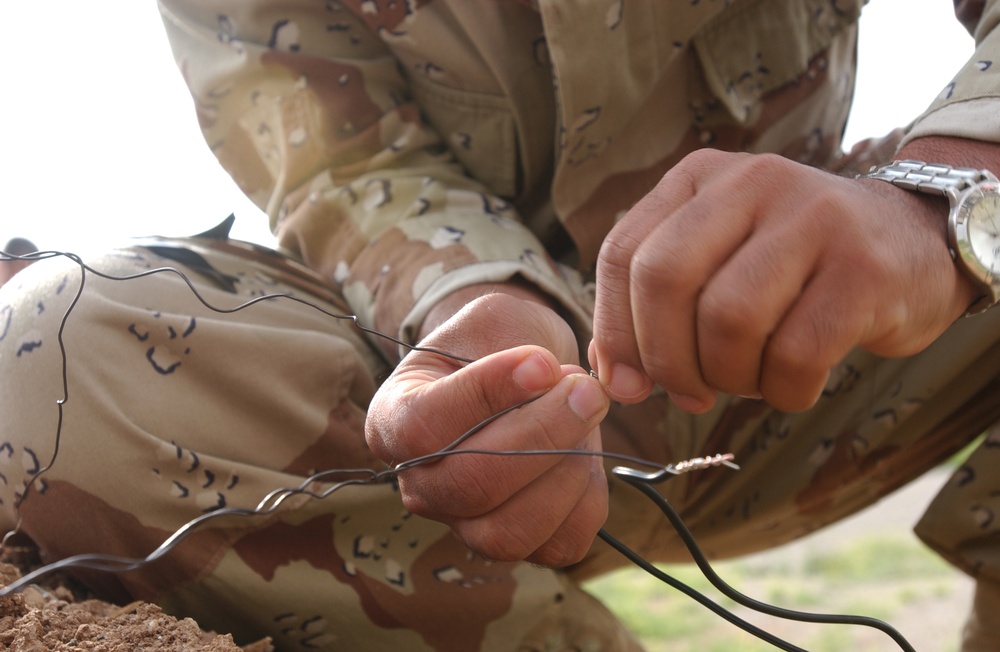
x=958 y=170
x=452 y=303
x=957 y=152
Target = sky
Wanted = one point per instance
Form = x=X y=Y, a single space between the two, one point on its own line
x=100 y=140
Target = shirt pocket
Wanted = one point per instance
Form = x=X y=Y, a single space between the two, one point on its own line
x=478 y=128
x=761 y=45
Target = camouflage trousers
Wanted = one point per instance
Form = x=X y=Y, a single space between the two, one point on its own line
x=174 y=411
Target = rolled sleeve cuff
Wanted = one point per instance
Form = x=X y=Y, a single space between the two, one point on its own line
x=565 y=286
x=977 y=119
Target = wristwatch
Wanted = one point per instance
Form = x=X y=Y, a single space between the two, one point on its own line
x=973 y=222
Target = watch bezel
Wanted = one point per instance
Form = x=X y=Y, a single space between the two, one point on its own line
x=961 y=243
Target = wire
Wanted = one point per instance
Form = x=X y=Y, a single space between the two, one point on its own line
x=692 y=593
x=272 y=501
x=644 y=485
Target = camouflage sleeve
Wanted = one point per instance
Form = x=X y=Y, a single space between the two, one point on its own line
x=309 y=111
x=969 y=106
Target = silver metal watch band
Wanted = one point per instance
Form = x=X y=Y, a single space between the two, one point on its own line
x=938 y=179
x=932 y=178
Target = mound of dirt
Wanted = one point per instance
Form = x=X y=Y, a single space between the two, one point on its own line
x=62 y=615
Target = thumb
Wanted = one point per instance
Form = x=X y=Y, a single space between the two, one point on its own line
x=426 y=404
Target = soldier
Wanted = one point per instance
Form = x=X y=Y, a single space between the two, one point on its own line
x=531 y=186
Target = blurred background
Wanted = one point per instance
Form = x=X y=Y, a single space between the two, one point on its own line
x=100 y=138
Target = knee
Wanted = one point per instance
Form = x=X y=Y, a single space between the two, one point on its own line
x=33 y=307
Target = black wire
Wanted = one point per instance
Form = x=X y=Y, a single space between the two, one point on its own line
x=60 y=403
x=694 y=594
x=787 y=614
x=273 y=500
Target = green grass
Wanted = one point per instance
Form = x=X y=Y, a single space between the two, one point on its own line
x=876 y=559
x=891 y=577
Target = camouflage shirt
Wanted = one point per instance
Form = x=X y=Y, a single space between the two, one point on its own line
x=407 y=148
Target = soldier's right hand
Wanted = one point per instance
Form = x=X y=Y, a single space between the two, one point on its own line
x=545 y=509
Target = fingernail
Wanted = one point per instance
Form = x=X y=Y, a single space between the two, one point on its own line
x=533 y=374
x=687 y=403
x=627 y=383
x=586 y=398
x=592 y=356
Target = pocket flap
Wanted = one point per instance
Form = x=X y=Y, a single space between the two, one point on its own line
x=762 y=45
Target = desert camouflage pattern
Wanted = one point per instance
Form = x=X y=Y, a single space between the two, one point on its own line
x=403 y=150
x=174 y=411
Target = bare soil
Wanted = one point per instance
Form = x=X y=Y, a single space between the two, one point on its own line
x=61 y=614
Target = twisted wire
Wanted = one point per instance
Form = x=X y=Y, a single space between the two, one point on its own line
x=274 y=499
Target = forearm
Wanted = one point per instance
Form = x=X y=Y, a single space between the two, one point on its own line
x=457 y=300
x=959 y=152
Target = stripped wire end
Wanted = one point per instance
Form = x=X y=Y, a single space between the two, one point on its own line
x=699 y=463
x=670 y=470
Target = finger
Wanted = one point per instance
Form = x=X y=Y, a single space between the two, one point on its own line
x=468 y=485
x=614 y=352
x=742 y=305
x=652 y=270
x=552 y=521
x=855 y=296
x=671 y=271
x=575 y=535
x=818 y=332
x=424 y=406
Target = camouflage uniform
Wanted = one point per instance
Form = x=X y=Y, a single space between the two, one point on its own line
x=404 y=150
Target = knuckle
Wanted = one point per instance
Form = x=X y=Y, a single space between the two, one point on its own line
x=497 y=539
x=380 y=428
x=795 y=368
x=615 y=256
x=665 y=268
x=794 y=396
x=458 y=488
x=556 y=554
x=728 y=314
x=757 y=171
x=662 y=361
x=661 y=364
x=414 y=501
x=670 y=272
x=793 y=352
x=572 y=541
x=471 y=487
x=876 y=266
x=414 y=432
x=697 y=163
x=661 y=367
x=647 y=271
x=766 y=163
x=571 y=549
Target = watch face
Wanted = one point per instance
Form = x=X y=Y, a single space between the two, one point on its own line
x=978 y=231
x=983 y=232
x=978 y=228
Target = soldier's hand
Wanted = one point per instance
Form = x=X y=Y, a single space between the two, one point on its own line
x=545 y=509
x=754 y=275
